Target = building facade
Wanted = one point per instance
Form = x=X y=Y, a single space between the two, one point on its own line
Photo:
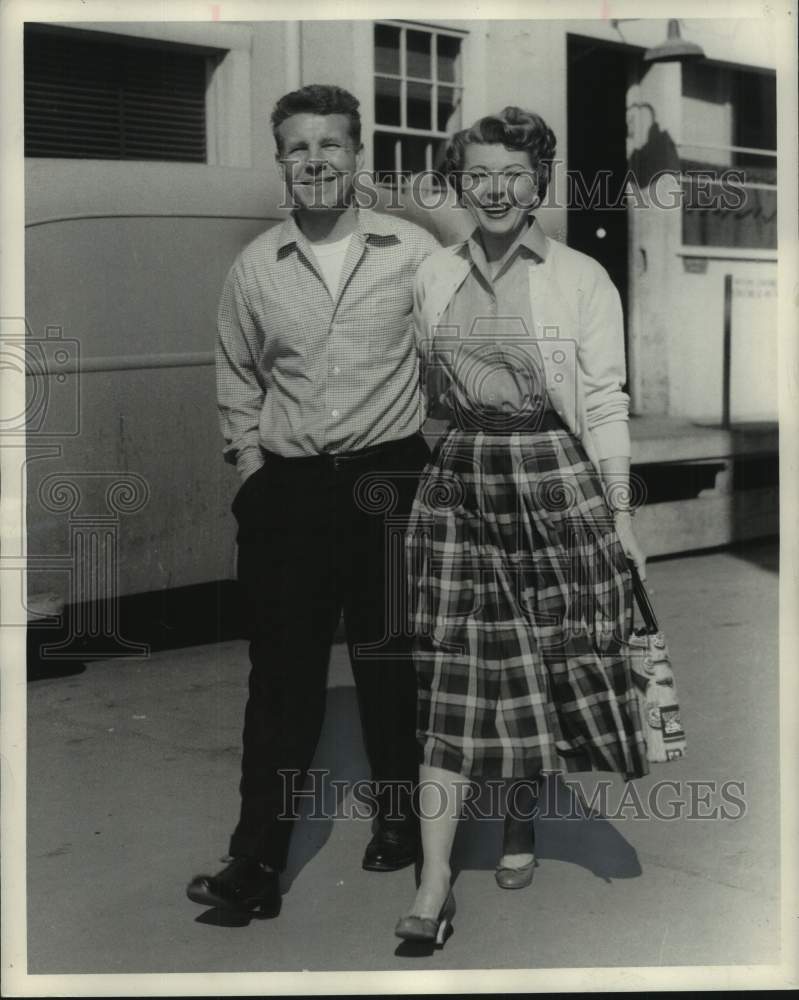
x=150 y=163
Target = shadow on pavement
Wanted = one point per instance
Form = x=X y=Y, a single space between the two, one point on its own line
x=761 y=552
x=421 y=949
x=40 y=668
x=563 y=833
x=593 y=843
x=765 y=554
x=341 y=755
x=216 y=917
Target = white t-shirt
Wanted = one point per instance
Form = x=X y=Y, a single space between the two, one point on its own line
x=330 y=258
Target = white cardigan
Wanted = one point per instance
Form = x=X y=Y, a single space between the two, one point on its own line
x=578 y=323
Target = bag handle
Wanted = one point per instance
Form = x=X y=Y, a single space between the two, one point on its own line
x=642 y=600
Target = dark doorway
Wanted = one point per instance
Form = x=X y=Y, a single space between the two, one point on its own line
x=597 y=85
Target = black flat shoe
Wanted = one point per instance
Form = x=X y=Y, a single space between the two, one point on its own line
x=389 y=850
x=428 y=930
x=244 y=886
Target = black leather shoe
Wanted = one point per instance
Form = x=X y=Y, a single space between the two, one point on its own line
x=389 y=850
x=244 y=886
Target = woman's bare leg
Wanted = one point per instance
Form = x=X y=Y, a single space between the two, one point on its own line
x=441 y=797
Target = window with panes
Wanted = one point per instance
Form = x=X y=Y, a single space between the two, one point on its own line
x=729 y=124
x=418 y=97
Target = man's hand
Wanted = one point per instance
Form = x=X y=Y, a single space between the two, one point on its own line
x=624 y=529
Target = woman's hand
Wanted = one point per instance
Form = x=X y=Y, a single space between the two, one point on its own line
x=624 y=529
x=619 y=498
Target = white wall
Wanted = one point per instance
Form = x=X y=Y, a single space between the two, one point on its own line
x=145 y=278
x=129 y=258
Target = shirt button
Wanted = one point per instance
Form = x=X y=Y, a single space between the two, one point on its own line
x=336 y=369
x=334 y=413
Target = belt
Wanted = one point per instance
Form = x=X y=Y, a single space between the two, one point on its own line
x=341 y=460
x=546 y=421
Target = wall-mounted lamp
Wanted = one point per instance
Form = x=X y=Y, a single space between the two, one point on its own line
x=674 y=49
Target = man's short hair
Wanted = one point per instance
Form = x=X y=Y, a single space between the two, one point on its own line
x=514 y=128
x=319 y=99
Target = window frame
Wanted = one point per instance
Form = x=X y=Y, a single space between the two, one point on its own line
x=205 y=61
x=403 y=178
x=723 y=250
x=228 y=138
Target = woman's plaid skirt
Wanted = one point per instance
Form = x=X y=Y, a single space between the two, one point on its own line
x=522 y=603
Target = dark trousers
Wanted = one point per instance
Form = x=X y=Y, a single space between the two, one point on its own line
x=317 y=536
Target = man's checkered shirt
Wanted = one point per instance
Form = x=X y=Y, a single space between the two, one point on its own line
x=302 y=373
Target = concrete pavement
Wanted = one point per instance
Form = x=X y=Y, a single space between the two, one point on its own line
x=132 y=788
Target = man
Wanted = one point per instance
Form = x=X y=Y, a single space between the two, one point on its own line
x=319 y=401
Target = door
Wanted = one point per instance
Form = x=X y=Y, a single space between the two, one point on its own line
x=597 y=84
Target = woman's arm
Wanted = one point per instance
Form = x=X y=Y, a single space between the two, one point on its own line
x=603 y=367
x=616 y=481
x=602 y=362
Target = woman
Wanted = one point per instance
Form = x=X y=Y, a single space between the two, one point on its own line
x=522 y=523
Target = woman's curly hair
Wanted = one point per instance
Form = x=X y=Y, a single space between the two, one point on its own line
x=512 y=127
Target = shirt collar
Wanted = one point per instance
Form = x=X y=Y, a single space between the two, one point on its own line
x=533 y=239
x=368 y=224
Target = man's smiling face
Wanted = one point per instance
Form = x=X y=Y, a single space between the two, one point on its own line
x=319 y=160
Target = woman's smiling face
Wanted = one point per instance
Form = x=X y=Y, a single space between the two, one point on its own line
x=499 y=187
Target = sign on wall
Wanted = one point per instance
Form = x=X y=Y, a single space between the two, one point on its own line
x=753 y=364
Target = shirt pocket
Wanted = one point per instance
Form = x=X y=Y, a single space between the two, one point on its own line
x=384 y=314
x=392 y=337
x=288 y=338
